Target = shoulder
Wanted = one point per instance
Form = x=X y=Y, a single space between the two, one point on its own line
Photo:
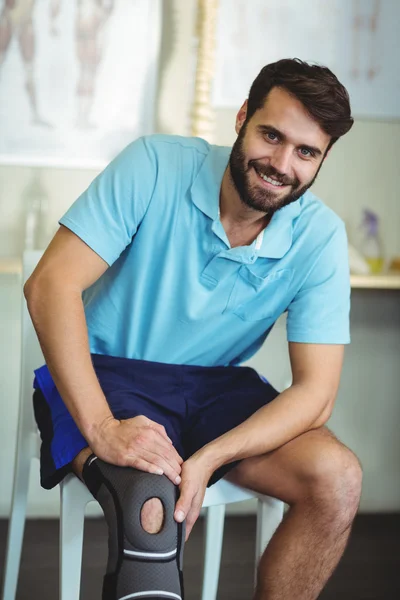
x=154 y=155
x=170 y=146
x=177 y=160
x=317 y=222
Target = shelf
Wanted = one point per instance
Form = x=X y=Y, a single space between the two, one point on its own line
x=11 y=266
x=385 y=281
x=380 y=282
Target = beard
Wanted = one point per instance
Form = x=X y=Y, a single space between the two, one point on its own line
x=256 y=197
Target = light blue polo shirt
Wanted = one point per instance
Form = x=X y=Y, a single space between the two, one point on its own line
x=176 y=292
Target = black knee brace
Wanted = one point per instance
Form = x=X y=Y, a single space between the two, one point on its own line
x=140 y=565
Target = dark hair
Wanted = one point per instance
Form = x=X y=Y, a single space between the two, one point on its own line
x=317 y=88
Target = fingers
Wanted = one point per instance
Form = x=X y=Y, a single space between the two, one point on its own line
x=184 y=503
x=143 y=465
x=173 y=473
x=188 y=531
x=160 y=430
x=153 y=425
x=188 y=506
x=151 y=446
x=144 y=445
x=167 y=447
x=192 y=517
x=151 y=439
x=152 y=463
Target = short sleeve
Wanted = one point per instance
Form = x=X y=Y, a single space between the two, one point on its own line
x=320 y=311
x=107 y=215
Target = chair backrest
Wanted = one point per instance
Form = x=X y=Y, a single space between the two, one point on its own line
x=31 y=353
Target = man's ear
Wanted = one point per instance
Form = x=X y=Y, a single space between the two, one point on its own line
x=241 y=117
x=328 y=153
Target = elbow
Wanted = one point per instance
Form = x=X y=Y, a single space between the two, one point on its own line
x=27 y=289
x=33 y=294
x=325 y=415
x=322 y=420
x=33 y=289
x=42 y=290
x=321 y=402
x=37 y=289
x=34 y=283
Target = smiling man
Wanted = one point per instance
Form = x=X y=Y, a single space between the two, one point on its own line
x=165 y=275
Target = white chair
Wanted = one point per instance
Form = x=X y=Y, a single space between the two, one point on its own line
x=75 y=496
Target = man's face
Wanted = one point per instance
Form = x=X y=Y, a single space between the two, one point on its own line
x=277 y=154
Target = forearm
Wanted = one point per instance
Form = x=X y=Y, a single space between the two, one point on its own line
x=295 y=411
x=58 y=316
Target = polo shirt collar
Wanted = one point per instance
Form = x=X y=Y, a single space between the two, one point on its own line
x=206 y=187
x=278 y=235
x=205 y=191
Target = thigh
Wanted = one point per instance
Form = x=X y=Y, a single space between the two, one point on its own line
x=289 y=472
x=131 y=388
x=233 y=395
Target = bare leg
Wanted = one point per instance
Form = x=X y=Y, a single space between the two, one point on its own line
x=90 y=48
x=320 y=479
x=152 y=515
x=357 y=25
x=373 y=49
x=5 y=35
x=85 y=93
x=55 y=6
x=26 y=40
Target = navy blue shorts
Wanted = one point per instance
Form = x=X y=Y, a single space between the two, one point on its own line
x=194 y=404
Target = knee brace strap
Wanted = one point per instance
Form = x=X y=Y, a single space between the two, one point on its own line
x=140 y=565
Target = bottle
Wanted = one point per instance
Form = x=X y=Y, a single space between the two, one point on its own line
x=371 y=245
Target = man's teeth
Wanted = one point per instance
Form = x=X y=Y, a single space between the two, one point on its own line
x=270 y=180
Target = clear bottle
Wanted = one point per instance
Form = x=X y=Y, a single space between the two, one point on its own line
x=371 y=244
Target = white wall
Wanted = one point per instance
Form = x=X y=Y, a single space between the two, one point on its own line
x=362 y=170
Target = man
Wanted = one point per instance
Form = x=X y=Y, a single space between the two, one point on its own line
x=186 y=254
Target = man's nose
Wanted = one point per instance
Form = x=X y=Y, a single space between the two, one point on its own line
x=281 y=160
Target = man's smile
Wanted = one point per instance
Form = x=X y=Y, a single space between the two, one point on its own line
x=269 y=182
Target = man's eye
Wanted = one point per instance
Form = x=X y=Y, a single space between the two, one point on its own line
x=271 y=136
x=306 y=152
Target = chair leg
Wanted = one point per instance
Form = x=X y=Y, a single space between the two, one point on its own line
x=16 y=524
x=73 y=503
x=215 y=518
x=269 y=516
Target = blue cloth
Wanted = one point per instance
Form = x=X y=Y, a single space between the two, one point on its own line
x=176 y=292
x=195 y=405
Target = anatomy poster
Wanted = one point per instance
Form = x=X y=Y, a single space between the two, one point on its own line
x=356 y=39
x=77 y=78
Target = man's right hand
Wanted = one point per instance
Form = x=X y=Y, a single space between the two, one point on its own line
x=138 y=442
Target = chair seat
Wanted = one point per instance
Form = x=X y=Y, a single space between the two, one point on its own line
x=225 y=492
x=222 y=492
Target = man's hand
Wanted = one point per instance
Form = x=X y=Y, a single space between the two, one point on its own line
x=195 y=476
x=139 y=443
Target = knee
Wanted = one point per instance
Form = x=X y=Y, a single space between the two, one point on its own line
x=334 y=481
x=152 y=515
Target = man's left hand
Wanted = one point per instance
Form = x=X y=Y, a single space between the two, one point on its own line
x=195 y=475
